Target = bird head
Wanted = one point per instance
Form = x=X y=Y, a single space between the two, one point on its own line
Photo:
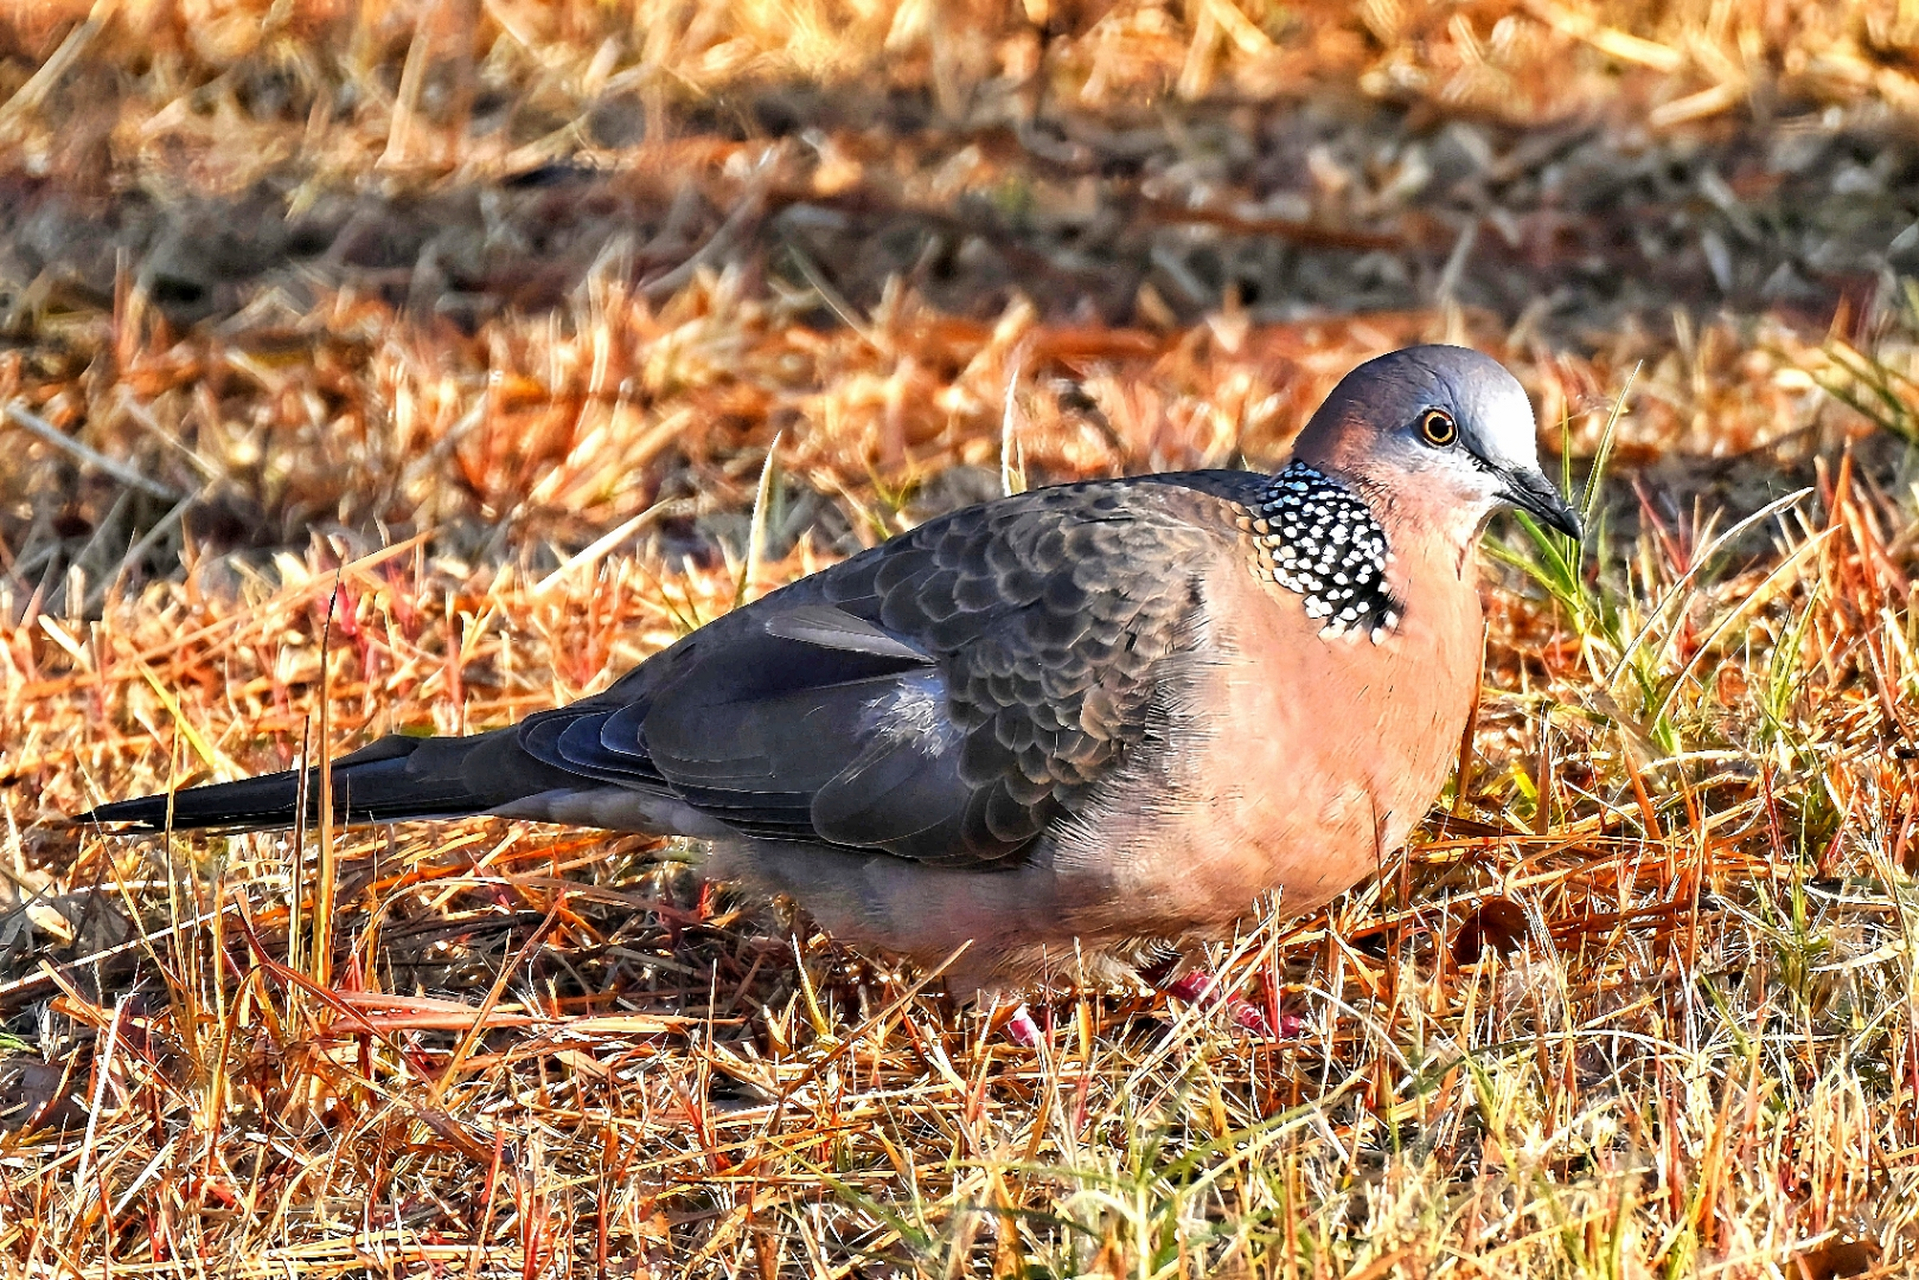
x=1443 y=436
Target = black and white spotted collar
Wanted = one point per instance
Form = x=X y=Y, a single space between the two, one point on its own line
x=1317 y=537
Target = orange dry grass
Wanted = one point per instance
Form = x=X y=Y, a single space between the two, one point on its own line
x=1683 y=1022
x=417 y=65
x=1643 y=1000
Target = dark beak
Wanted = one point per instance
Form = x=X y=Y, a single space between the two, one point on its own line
x=1533 y=493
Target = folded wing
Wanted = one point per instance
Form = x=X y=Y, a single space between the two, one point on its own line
x=942 y=697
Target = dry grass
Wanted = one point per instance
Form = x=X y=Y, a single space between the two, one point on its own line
x=428 y=381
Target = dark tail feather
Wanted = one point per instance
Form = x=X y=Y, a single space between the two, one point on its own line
x=393 y=779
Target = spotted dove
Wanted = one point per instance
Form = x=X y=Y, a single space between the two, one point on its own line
x=1040 y=730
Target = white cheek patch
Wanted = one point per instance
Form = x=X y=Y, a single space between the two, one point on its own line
x=1507 y=435
x=1478 y=482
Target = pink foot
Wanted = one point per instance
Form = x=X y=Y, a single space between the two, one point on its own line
x=1196 y=986
x=1022 y=1030
x=1248 y=1016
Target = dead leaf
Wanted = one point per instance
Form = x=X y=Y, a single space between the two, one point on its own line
x=1495 y=923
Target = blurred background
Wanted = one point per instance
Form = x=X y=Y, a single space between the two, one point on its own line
x=519 y=271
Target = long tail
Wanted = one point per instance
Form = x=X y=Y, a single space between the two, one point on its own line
x=393 y=779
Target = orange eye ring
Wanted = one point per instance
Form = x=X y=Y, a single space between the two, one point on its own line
x=1437 y=428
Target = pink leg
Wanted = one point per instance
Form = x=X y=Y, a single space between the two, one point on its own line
x=1196 y=986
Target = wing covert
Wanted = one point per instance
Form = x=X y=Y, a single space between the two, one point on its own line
x=941 y=697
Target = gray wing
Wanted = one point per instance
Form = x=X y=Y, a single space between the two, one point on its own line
x=941 y=697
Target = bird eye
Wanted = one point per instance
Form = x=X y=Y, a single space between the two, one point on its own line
x=1437 y=428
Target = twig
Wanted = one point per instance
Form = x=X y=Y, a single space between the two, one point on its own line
x=97 y=596
x=756 y=529
x=49 y=975
x=594 y=551
x=39 y=426
x=751 y=209
x=103 y=1068
x=41 y=83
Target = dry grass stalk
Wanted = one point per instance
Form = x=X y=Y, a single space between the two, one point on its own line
x=1645 y=1001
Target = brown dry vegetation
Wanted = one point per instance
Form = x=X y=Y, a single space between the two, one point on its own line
x=373 y=366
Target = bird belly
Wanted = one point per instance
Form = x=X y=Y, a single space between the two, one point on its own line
x=613 y=808
x=989 y=932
